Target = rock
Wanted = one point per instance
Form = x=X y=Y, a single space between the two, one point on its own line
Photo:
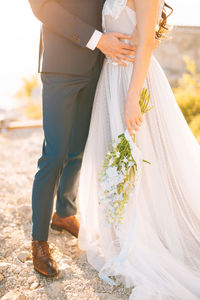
x=34 y=296
x=29 y=263
x=66 y=259
x=4 y=266
x=54 y=289
x=23 y=256
x=1 y=278
x=34 y=285
x=68 y=287
x=21 y=297
x=32 y=279
x=17 y=270
x=27 y=245
x=8 y=253
x=63 y=265
x=11 y=295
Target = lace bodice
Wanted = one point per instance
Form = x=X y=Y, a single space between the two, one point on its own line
x=124 y=23
x=119 y=17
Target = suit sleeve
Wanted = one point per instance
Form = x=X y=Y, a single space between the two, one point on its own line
x=59 y=20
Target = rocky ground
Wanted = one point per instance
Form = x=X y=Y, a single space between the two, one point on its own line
x=19 y=150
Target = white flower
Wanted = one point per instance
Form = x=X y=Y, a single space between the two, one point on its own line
x=111 y=161
x=111 y=171
x=125 y=160
x=120 y=197
x=130 y=164
x=120 y=179
x=123 y=169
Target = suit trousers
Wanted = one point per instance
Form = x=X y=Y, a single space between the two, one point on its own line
x=67 y=107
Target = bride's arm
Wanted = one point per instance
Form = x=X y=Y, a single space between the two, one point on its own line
x=147 y=13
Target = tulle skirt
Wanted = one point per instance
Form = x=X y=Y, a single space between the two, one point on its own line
x=157 y=248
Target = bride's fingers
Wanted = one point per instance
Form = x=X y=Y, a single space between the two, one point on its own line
x=141 y=118
x=139 y=122
x=126 y=58
x=123 y=36
x=127 y=46
x=128 y=52
x=135 y=126
x=121 y=63
x=130 y=129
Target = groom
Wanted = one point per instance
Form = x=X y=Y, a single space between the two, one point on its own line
x=71 y=64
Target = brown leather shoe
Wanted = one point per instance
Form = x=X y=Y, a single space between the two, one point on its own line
x=70 y=224
x=42 y=259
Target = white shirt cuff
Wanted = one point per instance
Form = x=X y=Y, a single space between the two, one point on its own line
x=94 y=40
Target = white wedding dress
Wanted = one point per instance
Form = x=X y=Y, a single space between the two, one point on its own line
x=157 y=248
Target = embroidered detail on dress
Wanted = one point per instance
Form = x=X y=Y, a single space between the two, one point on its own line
x=114 y=8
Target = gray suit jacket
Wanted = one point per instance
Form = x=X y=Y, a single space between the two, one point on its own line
x=67 y=26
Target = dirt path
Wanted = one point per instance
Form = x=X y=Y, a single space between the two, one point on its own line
x=19 y=151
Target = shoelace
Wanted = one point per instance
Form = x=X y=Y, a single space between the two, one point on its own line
x=43 y=249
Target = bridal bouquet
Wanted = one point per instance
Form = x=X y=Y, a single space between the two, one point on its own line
x=119 y=172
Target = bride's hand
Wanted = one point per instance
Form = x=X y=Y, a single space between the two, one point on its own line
x=133 y=115
x=113 y=46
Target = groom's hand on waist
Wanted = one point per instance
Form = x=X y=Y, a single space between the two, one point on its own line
x=112 y=46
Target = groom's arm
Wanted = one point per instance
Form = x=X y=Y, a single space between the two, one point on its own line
x=53 y=15
x=59 y=20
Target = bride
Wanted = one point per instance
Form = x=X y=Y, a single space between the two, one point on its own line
x=157 y=248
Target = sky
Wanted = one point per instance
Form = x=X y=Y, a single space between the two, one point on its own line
x=19 y=39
